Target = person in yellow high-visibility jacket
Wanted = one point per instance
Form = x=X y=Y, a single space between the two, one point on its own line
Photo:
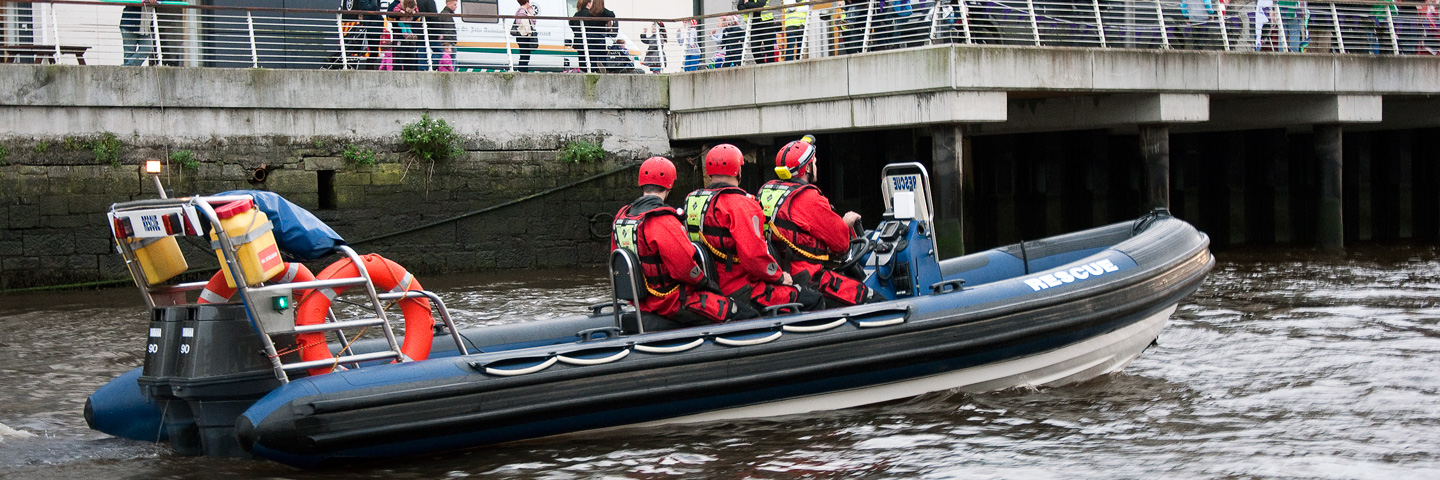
x=794 y=28
x=763 y=30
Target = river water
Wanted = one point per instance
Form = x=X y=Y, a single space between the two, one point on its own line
x=1286 y=364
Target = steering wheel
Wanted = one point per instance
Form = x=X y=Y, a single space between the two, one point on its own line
x=859 y=248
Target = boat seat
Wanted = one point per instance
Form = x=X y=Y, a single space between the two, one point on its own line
x=625 y=279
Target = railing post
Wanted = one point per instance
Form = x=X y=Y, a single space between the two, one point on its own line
x=1390 y=19
x=340 y=30
x=1335 y=17
x=55 y=32
x=965 y=20
x=1034 y=24
x=805 y=38
x=155 y=33
x=254 y=55
x=1164 y=32
x=869 y=16
x=1224 y=27
x=1284 y=42
x=425 y=30
x=744 y=42
x=934 y=20
x=1099 y=22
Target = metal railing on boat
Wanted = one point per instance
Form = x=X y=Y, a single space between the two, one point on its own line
x=270 y=324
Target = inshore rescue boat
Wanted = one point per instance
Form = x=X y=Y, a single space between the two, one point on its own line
x=227 y=379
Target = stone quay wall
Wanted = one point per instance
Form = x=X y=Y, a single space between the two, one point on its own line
x=74 y=140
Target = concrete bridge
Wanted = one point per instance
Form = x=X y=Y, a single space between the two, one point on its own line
x=960 y=91
x=995 y=123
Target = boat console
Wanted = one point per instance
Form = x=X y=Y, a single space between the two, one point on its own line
x=902 y=259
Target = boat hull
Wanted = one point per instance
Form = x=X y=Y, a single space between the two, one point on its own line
x=999 y=335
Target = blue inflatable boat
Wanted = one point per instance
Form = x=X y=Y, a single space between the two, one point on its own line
x=219 y=378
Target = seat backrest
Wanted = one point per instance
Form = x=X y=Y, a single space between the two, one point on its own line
x=625 y=284
x=625 y=275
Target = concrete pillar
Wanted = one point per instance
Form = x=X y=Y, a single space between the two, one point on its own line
x=1330 y=224
x=1155 y=151
x=946 y=185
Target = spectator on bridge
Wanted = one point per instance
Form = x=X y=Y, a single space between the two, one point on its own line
x=654 y=37
x=727 y=38
x=852 y=34
x=689 y=38
x=598 y=29
x=446 y=28
x=137 y=28
x=794 y=19
x=1381 y=17
x=1196 y=32
x=1293 y=18
x=428 y=42
x=405 y=36
x=1430 y=21
x=577 y=33
x=764 y=29
x=528 y=39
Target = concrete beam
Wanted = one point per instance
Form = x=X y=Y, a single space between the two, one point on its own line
x=1083 y=113
x=164 y=87
x=1287 y=110
x=891 y=111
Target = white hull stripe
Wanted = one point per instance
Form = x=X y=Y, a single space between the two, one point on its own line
x=1074 y=363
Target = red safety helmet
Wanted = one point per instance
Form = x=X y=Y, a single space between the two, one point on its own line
x=657 y=171
x=724 y=159
x=793 y=157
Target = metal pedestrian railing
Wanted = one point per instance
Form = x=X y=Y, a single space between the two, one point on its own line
x=174 y=33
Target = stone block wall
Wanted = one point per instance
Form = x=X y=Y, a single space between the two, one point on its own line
x=55 y=188
x=53 y=201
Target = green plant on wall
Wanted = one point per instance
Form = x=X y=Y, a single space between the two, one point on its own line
x=431 y=139
x=581 y=151
x=107 y=149
x=4 y=152
x=72 y=144
x=41 y=148
x=358 y=155
x=186 y=159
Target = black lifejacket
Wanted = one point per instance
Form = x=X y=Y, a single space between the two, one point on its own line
x=787 y=237
x=717 y=239
x=629 y=232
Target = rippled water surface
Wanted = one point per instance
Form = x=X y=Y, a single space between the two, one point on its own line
x=1286 y=364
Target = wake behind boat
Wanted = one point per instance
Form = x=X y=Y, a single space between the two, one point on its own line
x=227 y=378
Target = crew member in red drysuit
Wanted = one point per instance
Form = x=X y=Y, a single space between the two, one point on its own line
x=729 y=223
x=805 y=231
x=674 y=284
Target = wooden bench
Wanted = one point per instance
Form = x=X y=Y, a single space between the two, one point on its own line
x=41 y=53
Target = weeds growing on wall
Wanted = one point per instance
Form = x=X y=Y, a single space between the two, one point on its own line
x=4 y=152
x=358 y=155
x=431 y=139
x=581 y=151
x=186 y=159
x=107 y=149
x=41 y=148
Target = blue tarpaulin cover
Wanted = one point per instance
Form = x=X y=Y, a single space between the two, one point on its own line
x=297 y=231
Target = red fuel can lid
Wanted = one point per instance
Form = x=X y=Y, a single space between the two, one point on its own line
x=234 y=208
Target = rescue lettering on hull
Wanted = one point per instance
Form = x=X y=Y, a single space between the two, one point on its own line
x=1092 y=269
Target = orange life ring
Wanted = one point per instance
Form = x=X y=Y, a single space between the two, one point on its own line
x=387 y=276
x=216 y=291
